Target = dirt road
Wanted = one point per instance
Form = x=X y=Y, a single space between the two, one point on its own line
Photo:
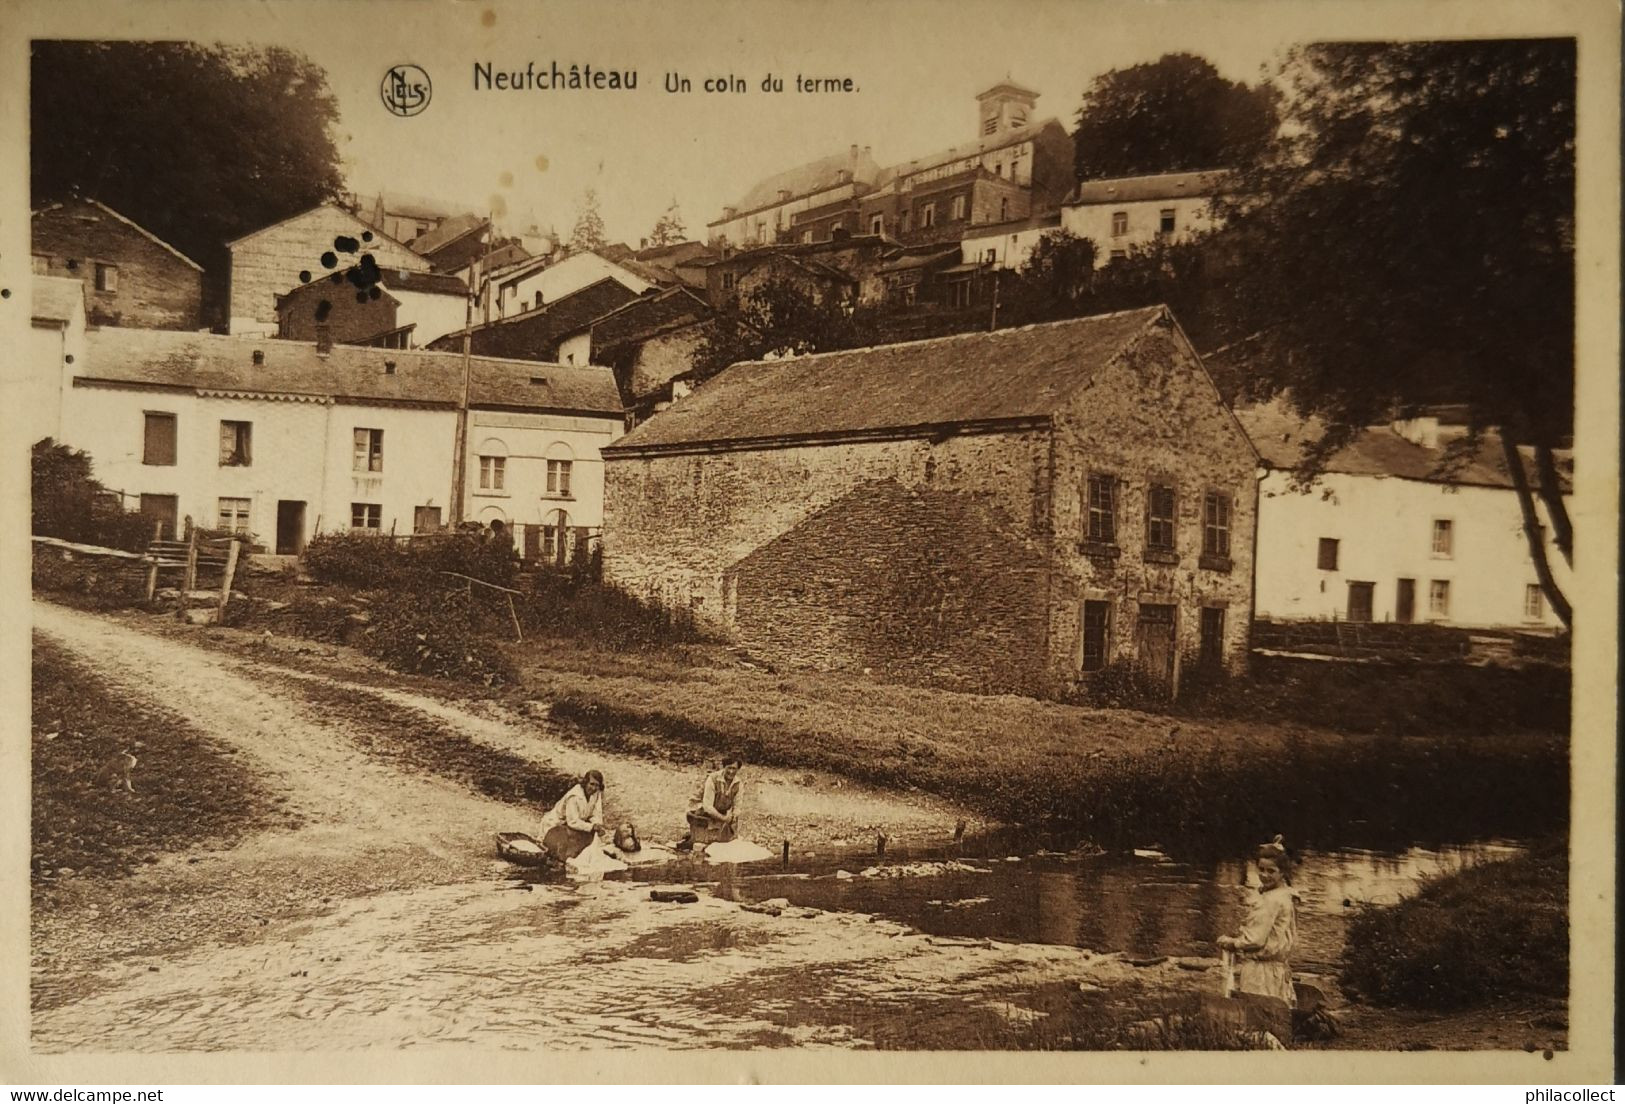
x=385 y=919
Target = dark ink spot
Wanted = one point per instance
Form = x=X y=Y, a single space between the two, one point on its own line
x=5 y=293
x=366 y=235
x=323 y=309
x=374 y=292
x=336 y=278
x=68 y=358
x=346 y=244
x=330 y=259
x=304 y=276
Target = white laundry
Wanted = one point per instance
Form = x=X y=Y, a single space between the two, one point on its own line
x=736 y=851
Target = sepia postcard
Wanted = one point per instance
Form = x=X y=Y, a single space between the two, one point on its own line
x=1020 y=542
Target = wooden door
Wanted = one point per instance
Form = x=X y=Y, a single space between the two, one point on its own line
x=1405 y=601
x=290 y=528
x=1154 y=642
x=162 y=508
x=1360 y=601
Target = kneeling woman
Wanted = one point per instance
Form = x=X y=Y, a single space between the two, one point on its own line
x=578 y=818
x=713 y=817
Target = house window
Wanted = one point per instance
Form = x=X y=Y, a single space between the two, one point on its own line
x=369 y=450
x=1443 y=538
x=163 y=510
x=234 y=514
x=991 y=256
x=1159 y=530
x=1165 y=221
x=1216 y=524
x=907 y=220
x=41 y=264
x=1004 y=208
x=959 y=294
x=234 y=444
x=1360 y=601
x=1439 y=598
x=158 y=447
x=959 y=207
x=727 y=281
x=990 y=125
x=1119 y=223
x=558 y=478
x=928 y=216
x=1096 y=627
x=1534 y=603
x=1102 y=507
x=425 y=519
x=1119 y=254
x=537 y=303
x=106 y=277
x=493 y=471
x=1211 y=654
x=806 y=235
x=877 y=225
x=1327 y=560
x=366 y=515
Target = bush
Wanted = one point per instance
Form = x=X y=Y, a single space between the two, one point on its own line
x=1123 y=684
x=1493 y=932
x=573 y=603
x=435 y=633
x=373 y=562
x=88 y=583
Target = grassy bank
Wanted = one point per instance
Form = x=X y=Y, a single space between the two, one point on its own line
x=1494 y=932
x=186 y=790
x=1115 y=775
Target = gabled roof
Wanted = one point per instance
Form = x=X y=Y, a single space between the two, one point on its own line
x=1005 y=375
x=143 y=231
x=934 y=256
x=362 y=224
x=427 y=283
x=645 y=315
x=350 y=373
x=537 y=332
x=57 y=299
x=1130 y=189
x=457 y=226
x=1050 y=221
x=406 y=206
x=988 y=144
x=1280 y=435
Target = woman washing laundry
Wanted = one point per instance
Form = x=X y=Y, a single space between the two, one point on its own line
x=577 y=819
x=714 y=815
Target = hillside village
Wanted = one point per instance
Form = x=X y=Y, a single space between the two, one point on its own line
x=971 y=467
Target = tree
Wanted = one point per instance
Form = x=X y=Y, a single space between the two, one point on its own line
x=68 y=502
x=588 y=232
x=669 y=228
x=779 y=319
x=1171 y=115
x=1055 y=282
x=198 y=144
x=1409 y=241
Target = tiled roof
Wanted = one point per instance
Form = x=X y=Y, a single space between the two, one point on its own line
x=998 y=141
x=1013 y=226
x=643 y=316
x=446 y=233
x=1006 y=374
x=1280 y=436
x=139 y=229
x=429 y=283
x=1130 y=189
x=535 y=334
x=215 y=362
x=55 y=297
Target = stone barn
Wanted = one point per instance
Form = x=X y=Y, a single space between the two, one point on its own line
x=1004 y=511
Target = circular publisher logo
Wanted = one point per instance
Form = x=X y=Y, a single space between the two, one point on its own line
x=406 y=89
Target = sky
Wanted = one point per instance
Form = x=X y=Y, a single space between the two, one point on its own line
x=917 y=69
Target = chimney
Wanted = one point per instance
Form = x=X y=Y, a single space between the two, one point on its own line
x=853 y=155
x=324 y=339
x=729 y=212
x=259 y=357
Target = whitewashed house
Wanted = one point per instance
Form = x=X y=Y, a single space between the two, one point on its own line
x=538 y=281
x=1123 y=213
x=285 y=439
x=1006 y=244
x=1385 y=535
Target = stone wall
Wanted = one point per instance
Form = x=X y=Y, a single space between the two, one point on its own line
x=268 y=264
x=1152 y=416
x=919 y=559
x=155 y=289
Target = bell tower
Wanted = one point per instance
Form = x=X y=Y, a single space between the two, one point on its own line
x=1005 y=106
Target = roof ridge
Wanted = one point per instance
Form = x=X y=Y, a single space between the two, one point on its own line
x=963 y=335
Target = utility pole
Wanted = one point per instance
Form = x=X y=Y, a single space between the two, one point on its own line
x=459 y=461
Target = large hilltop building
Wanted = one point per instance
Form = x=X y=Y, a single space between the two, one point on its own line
x=1015 y=166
